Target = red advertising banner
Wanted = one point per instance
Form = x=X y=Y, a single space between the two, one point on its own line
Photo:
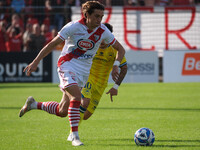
x=191 y=64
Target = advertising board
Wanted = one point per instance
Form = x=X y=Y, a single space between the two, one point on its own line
x=181 y=66
x=142 y=66
x=12 y=65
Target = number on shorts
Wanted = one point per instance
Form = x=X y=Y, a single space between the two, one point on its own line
x=88 y=85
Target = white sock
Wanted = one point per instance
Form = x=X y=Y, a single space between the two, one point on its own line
x=34 y=105
x=75 y=134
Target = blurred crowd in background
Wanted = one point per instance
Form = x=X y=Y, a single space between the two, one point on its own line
x=27 y=25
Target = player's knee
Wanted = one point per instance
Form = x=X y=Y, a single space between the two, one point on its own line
x=77 y=98
x=86 y=117
x=63 y=113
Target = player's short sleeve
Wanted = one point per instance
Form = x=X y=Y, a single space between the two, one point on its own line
x=123 y=62
x=66 y=31
x=109 y=37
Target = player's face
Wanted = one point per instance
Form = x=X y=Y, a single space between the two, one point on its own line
x=94 y=20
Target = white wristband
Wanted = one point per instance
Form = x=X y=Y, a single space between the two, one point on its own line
x=116 y=63
x=115 y=86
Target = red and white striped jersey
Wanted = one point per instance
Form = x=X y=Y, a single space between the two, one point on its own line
x=81 y=44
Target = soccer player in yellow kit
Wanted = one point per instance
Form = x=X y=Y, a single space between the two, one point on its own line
x=98 y=79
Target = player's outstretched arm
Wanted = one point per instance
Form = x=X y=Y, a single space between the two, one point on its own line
x=119 y=57
x=122 y=74
x=114 y=90
x=120 y=51
x=44 y=52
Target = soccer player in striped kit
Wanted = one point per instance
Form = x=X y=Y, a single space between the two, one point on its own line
x=82 y=39
x=98 y=79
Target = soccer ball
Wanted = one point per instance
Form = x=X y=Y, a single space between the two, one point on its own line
x=144 y=137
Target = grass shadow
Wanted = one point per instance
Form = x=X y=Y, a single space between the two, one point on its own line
x=10 y=108
x=136 y=108
x=130 y=142
x=28 y=86
x=187 y=143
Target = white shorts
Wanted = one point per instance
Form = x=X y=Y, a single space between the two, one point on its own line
x=68 y=77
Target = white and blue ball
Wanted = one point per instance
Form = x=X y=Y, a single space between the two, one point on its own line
x=144 y=137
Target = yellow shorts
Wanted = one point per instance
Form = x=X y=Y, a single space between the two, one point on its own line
x=94 y=92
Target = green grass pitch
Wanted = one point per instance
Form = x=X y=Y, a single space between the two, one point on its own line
x=171 y=110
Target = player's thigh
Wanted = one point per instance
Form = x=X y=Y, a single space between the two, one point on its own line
x=86 y=94
x=87 y=90
x=95 y=99
x=73 y=92
x=64 y=105
x=70 y=82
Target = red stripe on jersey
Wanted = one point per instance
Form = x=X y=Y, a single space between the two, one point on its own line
x=75 y=54
x=96 y=36
x=113 y=41
x=61 y=37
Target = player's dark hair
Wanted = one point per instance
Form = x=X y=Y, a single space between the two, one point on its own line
x=109 y=26
x=89 y=7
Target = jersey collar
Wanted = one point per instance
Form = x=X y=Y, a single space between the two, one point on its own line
x=82 y=21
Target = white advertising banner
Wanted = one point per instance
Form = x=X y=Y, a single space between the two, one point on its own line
x=142 y=66
x=153 y=28
x=181 y=66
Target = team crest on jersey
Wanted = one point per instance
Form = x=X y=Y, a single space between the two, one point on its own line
x=85 y=44
x=96 y=37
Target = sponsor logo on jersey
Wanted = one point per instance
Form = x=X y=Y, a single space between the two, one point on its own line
x=85 y=44
x=191 y=64
x=85 y=56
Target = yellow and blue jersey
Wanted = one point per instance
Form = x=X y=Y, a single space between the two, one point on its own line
x=102 y=65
